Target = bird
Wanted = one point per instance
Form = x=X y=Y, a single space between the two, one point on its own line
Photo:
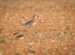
x=33 y=21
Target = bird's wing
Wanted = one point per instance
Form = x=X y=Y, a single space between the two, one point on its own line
x=29 y=22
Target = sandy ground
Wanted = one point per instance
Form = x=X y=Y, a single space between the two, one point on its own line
x=37 y=27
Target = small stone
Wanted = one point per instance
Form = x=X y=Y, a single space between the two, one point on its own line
x=54 y=17
x=73 y=8
x=6 y=14
x=62 y=33
x=52 y=40
x=62 y=16
x=52 y=9
x=31 y=43
x=1 y=54
x=30 y=54
x=57 y=7
x=63 y=28
x=62 y=21
x=42 y=21
x=22 y=38
x=16 y=14
x=65 y=48
x=71 y=53
x=40 y=35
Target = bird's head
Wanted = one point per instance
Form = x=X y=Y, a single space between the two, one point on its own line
x=35 y=17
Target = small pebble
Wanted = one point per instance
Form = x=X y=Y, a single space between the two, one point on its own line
x=30 y=54
x=40 y=35
x=31 y=43
x=65 y=48
x=57 y=7
x=16 y=14
x=1 y=54
x=52 y=40
x=22 y=38
x=73 y=8
x=71 y=53
x=61 y=16
x=42 y=21
x=62 y=33
x=54 y=16
x=62 y=21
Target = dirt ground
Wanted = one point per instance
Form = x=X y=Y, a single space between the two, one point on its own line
x=37 y=27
